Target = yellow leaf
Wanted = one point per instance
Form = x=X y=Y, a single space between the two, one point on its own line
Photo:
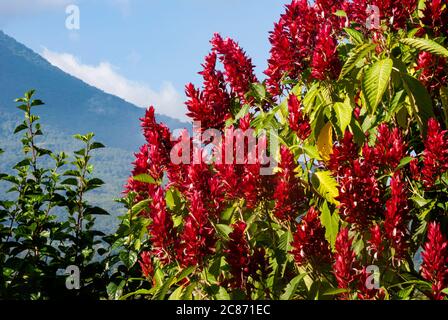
x=325 y=142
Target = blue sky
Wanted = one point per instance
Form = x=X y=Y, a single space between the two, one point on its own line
x=142 y=50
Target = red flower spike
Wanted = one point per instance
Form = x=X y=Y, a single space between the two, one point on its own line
x=310 y=245
x=239 y=70
x=434 y=267
x=435 y=155
x=289 y=195
x=238 y=255
x=298 y=122
x=345 y=260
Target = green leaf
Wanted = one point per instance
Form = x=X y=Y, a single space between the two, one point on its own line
x=334 y=292
x=420 y=99
x=326 y=185
x=311 y=151
x=137 y=208
x=128 y=258
x=259 y=91
x=331 y=224
x=355 y=35
x=291 y=288
x=444 y=100
x=97 y=145
x=20 y=128
x=343 y=113
x=222 y=294
x=161 y=293
x=426 y=45
x=96 y=211
x=177 y=294
x=404 y=162
x=285 y=240
x=145 y=178
x=355 y=56
x=224 y=230
x=375 y=82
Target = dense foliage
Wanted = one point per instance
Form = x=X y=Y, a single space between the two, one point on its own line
x=355 y=105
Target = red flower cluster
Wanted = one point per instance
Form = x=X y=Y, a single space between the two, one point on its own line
x=161 y=229
x=289 y=195
x=198 y=236
x=375 y=243
x=310 y=245
x=325 y=63
x=294 y=39
x=298 y=122
x=238 y=255
x=396 y=217
x=390 y=147
x=211 y=106
x=393 y=13
x=359 y=191
x=434 y=267
x=154 y=157
x=434 y=71
x=435 y=155
x=239 y=70
x=345 y=260
x=146 y=264
x=435 y=17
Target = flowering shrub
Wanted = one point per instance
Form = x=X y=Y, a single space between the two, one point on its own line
x=360 y=110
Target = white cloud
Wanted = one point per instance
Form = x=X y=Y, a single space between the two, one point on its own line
x=19 y=7
x=104 y=76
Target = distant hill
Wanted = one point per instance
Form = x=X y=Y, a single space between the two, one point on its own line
x=71 y=106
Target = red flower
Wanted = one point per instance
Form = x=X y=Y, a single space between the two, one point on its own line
x=298 y=122
x=146 y=264
x=289 y=195
x=238 y=255
x=344 y=152
x=375 y=242
x=435 y=17
x=390 y=146
x=310 y=245
x=434 y=267
x=161 y=228
x=292 y=42
x=325 y=63
x=239 y=70
x=434 y=73
x=211 y=106
x=345 y=260
x=396 y=217
x=435 y=156
x=198 y=235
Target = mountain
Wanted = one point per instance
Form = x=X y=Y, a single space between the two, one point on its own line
x=71 y=107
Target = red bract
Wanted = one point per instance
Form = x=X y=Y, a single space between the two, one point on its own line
x=366 y=293
x=289 y=195
x=238 y=255
x=161 y=227
x=359 y=191
x=434 y=72
x=325 y=63
x=198 y=236
x=390 y=146
x=435 y=156
x=211 y=106
x=396 y=217
x=344 y=152
x=435 y=17
x=292 y=42
x=298 y=122
x=310 y=245
x=146 y=264
x=239 y=70
x=394 y=14
x=345 y=260
x=434 y=267
x=375 y=243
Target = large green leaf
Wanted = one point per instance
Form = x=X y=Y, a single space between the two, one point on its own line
x=291 y=288
x=331 y=224
x=326 y=185
x=419 y=98
x=343 y=113
x=355 y=55
x=375 y=82
x=426 y=45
